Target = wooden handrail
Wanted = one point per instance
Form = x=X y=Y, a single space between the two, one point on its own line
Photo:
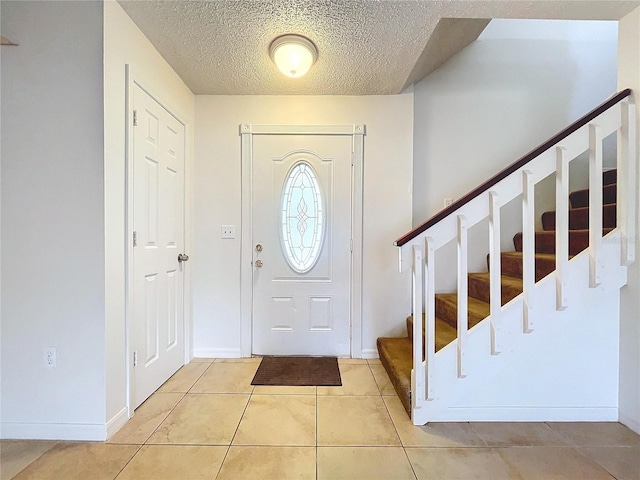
x=581 y=122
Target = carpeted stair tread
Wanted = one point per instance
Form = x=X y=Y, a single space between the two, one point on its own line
x=511 y=264
x=546 y=241
x=396 y=355
x=479 y=287
x=445 y=333
x=447 y=309
x=579 y=218
x=580 y=198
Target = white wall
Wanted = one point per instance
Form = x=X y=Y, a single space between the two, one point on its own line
x=52 y=220
x=629 y=77
x=387 y=206
x=518 y=85
x=125 y=44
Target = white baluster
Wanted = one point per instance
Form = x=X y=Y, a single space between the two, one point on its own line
x=562 y=226
x=528 y=249
x=495 y=286
x=417 y=374
x=595 y=205
x=463 y=294
x=627 y=182
x=430 y=303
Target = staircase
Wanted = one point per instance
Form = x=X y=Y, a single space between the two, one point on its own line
x=396 y=353
x=536 y=336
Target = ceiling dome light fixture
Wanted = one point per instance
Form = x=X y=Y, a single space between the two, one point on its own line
x=293 y=54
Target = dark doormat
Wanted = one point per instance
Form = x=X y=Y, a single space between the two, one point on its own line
x=298 y=371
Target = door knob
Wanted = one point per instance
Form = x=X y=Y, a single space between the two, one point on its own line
x=259 y=263
x=182 y=257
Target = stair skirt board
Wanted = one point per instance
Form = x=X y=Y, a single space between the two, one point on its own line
x=565 y=370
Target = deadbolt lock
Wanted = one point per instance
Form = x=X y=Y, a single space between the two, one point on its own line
x=259 y=247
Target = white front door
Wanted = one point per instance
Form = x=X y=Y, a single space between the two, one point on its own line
x=158 y=224
x=301 y=244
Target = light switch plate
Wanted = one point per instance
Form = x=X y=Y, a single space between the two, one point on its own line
x=228 y=231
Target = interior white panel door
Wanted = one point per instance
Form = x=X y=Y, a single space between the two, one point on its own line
x=302 y=244
x=158 y=223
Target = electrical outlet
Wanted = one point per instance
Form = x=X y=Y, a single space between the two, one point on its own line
x=49 y=357
x=447 y=201
x=228 y=231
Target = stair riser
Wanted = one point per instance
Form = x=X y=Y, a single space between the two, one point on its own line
x=579 y=218
x=444 y=336
x=609 y=177
x=513 y=267
x=479 y=288
x=448 y=312
x=581 y=197
x=546 y=242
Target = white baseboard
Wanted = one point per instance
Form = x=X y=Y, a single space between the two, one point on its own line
x=217 y=353
x=54 y=431
x=526 y=414
x=370 y=353
x=632 y=423
x=117 y=422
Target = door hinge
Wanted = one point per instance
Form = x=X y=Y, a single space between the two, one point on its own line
x=351 y=245
x=353 y=158
x=135 y=118
x=135 y=358
x=135 y=239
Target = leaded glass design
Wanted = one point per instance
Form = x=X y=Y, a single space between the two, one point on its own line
x=302 y=217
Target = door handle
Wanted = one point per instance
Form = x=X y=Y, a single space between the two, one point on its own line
x=259 y=263
x=182 y=257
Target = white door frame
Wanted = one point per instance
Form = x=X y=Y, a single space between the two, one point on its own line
x=132 y=79
x=247 y=132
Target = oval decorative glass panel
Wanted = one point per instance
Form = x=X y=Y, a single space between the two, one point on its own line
x=302 y=217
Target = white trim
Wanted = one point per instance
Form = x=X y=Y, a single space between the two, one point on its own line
x=117 y=422
x=87 y=432
x=525 y=414
x=357 y=218
x=302 y=129
x=217 y=353
x=128 y=235
x=133 y=78
x=246 y=271
x=629 y=422
x=370 y=353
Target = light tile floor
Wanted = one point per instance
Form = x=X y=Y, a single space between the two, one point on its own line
x=208 y=422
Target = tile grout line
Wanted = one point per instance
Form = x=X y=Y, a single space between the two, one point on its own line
x=35 y=459
x=244 y=411
x=404 y=449
x=184 y=394
x=478 y=434
x=128 y=461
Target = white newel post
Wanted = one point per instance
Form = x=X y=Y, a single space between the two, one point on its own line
x=627 y=181
x=417 y=374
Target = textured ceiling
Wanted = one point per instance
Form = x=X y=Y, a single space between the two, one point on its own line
x=366 y=47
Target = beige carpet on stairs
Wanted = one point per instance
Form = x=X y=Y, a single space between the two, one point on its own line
x=396 y=353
